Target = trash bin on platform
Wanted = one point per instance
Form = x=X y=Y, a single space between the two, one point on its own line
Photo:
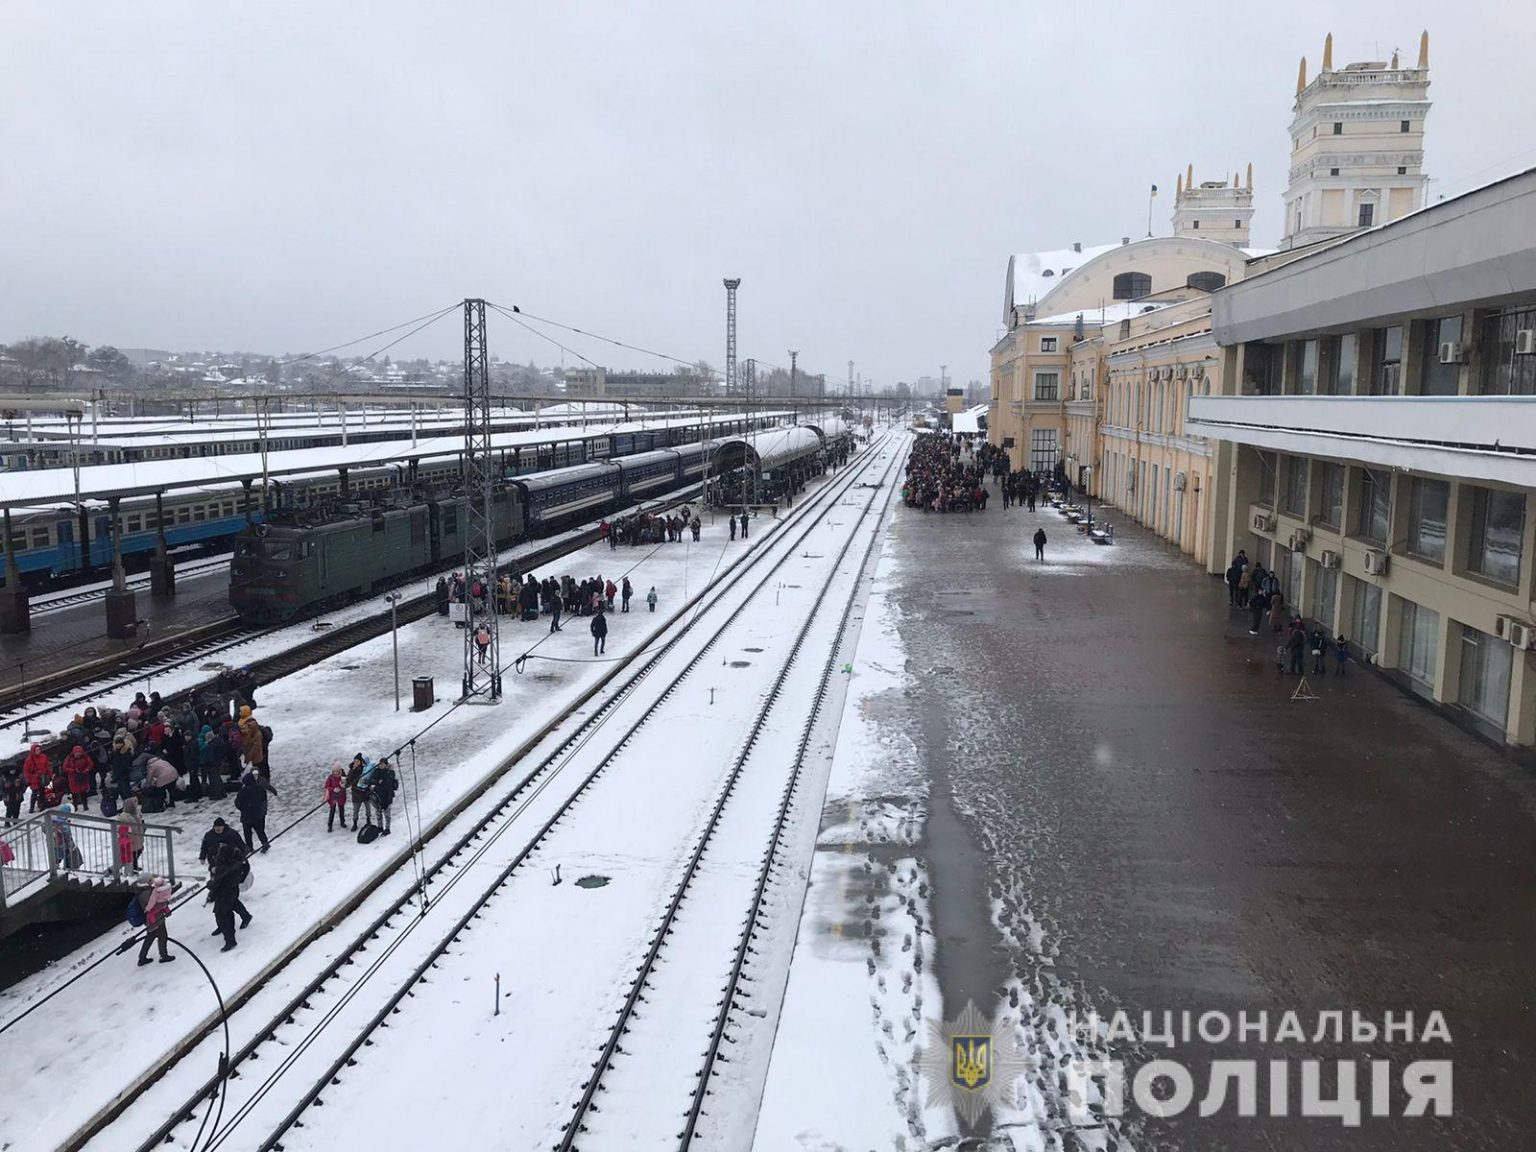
x=423 y=695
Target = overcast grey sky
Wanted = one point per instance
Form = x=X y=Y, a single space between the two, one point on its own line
x=285 y=175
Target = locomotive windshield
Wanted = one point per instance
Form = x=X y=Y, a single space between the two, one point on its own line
x=267 y=549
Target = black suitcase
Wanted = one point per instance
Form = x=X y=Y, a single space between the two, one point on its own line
x=368 y=833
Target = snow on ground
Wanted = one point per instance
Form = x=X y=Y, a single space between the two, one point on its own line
x=565 y=954
x=844 y=1071
x=324 y=713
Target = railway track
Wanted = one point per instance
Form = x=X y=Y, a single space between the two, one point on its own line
x=381 y=952
x=190 y=570
x=100 y=680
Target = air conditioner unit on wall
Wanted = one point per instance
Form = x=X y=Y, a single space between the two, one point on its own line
x=1525 y=342
x=1329 y=558
x=1180 y=481
x=1501 y=625
x=1451 y=352
x=1376 y=563
x=1521 y=635
x=1263 y=523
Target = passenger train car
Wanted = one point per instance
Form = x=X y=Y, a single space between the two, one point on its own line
x=47 y=540
x=281 y=569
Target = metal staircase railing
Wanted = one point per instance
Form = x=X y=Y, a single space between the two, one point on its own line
x=53 y=847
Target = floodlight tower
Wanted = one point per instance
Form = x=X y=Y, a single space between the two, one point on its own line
x=730 y=335
x=482 y=674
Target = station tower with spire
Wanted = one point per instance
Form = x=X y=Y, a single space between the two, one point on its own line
x=1357 y=146
x=1215 y=210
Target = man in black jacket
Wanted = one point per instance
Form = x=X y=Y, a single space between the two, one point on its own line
x=251 y=800
x=229 y=869
x=220 y=833
x=599 y=632
x=385 y=785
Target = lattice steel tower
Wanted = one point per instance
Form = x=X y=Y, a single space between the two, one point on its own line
x=731 y=388
x=482 y=680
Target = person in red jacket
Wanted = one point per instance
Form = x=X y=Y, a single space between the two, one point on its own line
x=78 y=768
x=336 y=797
x=38 y=770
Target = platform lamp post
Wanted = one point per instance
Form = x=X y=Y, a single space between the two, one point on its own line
x=394 y=638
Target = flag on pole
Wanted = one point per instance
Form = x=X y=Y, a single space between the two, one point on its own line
x=1154 y=189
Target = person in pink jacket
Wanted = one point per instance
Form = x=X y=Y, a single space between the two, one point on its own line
x=336 y=797
x=157 y=907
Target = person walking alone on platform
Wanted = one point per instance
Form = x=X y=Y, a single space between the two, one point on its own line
x=1039 y=543
x=743 y=523
x=650 y=598
x=626 y=592
x=229 y=869
x=731 y=521
x=599 y=632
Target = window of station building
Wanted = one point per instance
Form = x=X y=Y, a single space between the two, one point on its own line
x=1042 y=449
x=1365 y=615
x=1330 y=494
x=1336 y=366
x=1401 y=171
x=1367 y=215
x=1333 y=171
x=1306 y=367
x=1418 y=642
x=1483 y=687
x=1435 y=378
x=1338 y=129
x=1496 y=534
x=1428 y=502
x=1132 y=286
x=1294 y=492
x=1196 y=225
x=1388 y=343
x=1268 y=465
x=1047 y=343
x=1047 y=385
x=1324 y=583
x=1402 y=126
x=1264 y=368
x=1373 y=511
x=1504 y=371
x=1206 y=281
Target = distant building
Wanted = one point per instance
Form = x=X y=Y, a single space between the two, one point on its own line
x=598 y=383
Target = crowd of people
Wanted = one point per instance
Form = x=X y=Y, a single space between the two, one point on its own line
x=1253 y=590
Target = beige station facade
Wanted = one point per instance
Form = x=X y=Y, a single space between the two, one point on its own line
x=1355 y=408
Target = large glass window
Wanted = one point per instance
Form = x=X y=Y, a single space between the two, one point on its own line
x=1206 y=281
x=1330 y=495
x=1132 y=286
x=1495 y=534
x=1295 y=490
x=1428 y=502
x=1504 y=371
x=1267 y=465
x=1042 y=449
x=1265 y=368
x=1484 y=684
x=1365 y=614
x=1418 y=645
x=1375 y=505
x=1324 y=583
x=1387 y=380
x=1435 y=378
x=1306 y=368
x=1336 y=371
x=1047 y=385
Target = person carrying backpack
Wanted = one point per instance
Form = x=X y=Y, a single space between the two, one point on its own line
x=156 y=904
x=253 y=738
x=358 y=783
x=482 y=642
x=335 y=797
x=385 y=785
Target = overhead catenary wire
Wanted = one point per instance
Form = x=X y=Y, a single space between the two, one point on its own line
x=429 y=317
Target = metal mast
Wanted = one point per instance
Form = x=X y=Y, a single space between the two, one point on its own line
x=730 y=335
x=482 y=682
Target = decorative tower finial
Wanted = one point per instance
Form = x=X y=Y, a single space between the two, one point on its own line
x=1424 y=50
x=1328 y=53
x=1178 y=186
x=1234 y=180
x=1189 y=178
x=1250 y=175
x=1301 y=76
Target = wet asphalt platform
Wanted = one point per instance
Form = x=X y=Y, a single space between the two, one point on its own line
x=1117 y=764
